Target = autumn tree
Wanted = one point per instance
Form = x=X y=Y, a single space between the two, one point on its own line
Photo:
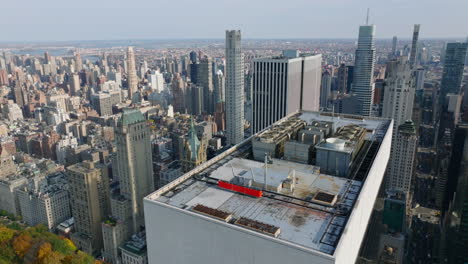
x=21 y=244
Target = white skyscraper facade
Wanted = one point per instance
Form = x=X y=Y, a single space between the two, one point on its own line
x=282 y=86
x=363 y=85
x=234 y=88
x=401 y=164
x=399 y=92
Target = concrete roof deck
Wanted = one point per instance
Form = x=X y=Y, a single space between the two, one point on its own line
x=309 y=225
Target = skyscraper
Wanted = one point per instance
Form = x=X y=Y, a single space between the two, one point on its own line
x=132 y=81
x=364 y=64
x=399 y=92
x=400 y=86
x=454 y=64
x=394 y=45
x=205 y=80
x=133 y=162
x=234 y=88
x=219 y=87
x=342 y=79
x=178 y=93
x=414 y=46
x=74 y=84
x=78 y=62
x=283 y=85
x=89 y=195
x=401 y=164
x=325 y=89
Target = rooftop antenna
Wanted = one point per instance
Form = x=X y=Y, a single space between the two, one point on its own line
x=367 y=17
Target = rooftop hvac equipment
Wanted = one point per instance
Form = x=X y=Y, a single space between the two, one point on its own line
x=221 y=215
x=258 y=226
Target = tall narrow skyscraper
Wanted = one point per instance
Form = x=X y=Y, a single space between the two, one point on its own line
x=454 y=64
x=414 y=46
x=394 y=45
x=401 y=164
x=400 y=86
x=132 y=81
x=205 y=80
x=78 y=62
x=133 y=162
x=363 y=86
x=342 y=79
x=234 y=88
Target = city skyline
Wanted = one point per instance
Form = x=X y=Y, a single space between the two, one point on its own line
x=102 y=21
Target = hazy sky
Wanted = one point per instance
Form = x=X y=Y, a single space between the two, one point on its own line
x=44 y=20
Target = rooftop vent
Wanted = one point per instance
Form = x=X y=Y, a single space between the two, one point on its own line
x=221 y=215
x=325 y=198
x=258 y=226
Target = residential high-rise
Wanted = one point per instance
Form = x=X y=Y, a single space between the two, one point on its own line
x=234 y=88
x=78 y=62
x=399 y=92
x=133 y=162
x=398 y=105
x=364 y=64
x=178 y=93
x=454 y=64
x=89 y=196
x=401 y=164
x=101 y=102
x=325 y=89
x=156 y=80
x=219 y=87
x=283 y=85
x=74 y=84
x=394 y=45
x=132 y=79
x=414 y=46
x=205 y=80
x=195 y=99
x=420 y=72
x=342 y=79
x=48 y=203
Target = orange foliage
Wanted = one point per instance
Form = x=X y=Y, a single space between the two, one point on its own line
x=44 y=250
x=21 y=244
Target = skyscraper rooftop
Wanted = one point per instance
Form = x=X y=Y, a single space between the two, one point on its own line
x=233 y=203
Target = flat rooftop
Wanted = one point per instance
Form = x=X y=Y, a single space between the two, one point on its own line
x=300 y=220
x=298 y=204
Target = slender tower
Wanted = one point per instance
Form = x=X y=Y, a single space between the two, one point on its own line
x=234 y=88
x=414 y=45
x=363 y=86
x=132 y=81
x=394 y=45
x=133 y=163
x=78 y=62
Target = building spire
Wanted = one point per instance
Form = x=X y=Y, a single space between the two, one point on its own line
x=367 y=17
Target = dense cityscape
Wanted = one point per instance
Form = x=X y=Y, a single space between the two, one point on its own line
x=235 y=150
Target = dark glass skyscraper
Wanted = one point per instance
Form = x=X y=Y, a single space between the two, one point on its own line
x=454 y=63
